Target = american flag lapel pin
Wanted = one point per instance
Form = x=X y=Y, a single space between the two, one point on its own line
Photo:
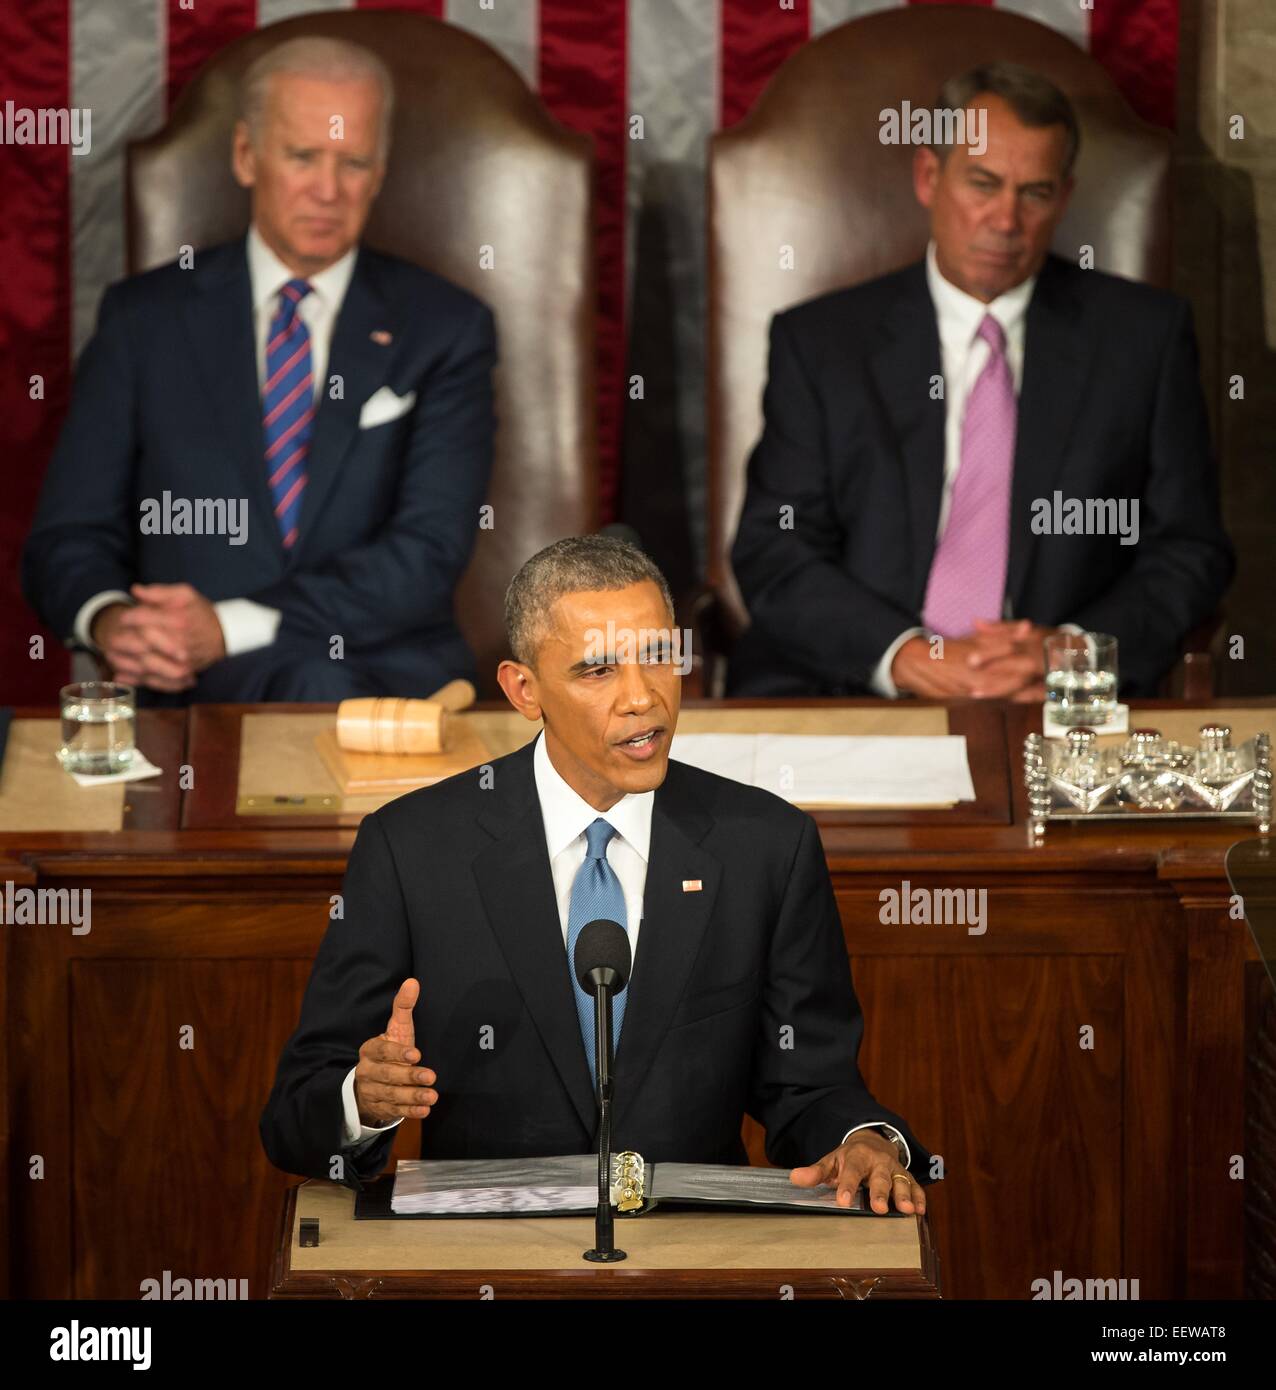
x=381 y=337
x=691 y=885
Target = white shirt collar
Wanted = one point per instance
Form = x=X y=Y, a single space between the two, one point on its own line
x=269 y=274
x=567 y=814
x=960 y=314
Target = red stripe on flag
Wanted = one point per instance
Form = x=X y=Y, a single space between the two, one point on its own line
x=757 y=36
x=582 y=80
x=35 y=327
x=195 y=34
x=433 y=8
x=1138 y=42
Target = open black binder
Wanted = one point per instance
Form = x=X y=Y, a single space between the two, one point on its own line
x=676 y=1185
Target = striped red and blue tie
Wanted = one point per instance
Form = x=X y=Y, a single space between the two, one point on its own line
x=288 y=408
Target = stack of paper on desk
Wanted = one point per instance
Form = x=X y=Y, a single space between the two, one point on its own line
x=569 y=1183
x=837 y=769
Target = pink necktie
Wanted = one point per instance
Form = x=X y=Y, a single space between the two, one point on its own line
x=968 y=574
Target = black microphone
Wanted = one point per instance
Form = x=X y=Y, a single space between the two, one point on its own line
x=602 y=956
x=602 y=964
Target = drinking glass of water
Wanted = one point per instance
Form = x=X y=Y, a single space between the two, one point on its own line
x=1081 y=677
x=97 y=727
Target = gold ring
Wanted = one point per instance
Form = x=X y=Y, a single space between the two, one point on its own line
x=905 y=1177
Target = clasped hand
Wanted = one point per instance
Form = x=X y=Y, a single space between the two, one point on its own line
x=163 y=640
x=998 y=661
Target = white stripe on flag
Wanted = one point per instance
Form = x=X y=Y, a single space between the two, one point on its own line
x=828 y=14
x=1065 y=18
x=272 y=11
x=510 y=26
x=117 y=71
x=673 y=86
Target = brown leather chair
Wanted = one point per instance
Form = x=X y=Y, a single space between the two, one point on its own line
x=475 y=160
x=805 y=169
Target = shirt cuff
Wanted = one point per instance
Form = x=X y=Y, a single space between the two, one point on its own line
x=890 y=1130
x=355 y=1130
x=246 y=625
x=880 y=682
x=82 y=628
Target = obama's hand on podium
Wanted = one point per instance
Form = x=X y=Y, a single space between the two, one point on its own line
x=388 y=1083
x=865 y=1157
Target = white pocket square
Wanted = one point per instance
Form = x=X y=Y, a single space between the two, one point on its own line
x=384 y=405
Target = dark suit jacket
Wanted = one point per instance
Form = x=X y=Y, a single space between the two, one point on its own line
x=1110 y=406
x=740 y=999
x=167 y=398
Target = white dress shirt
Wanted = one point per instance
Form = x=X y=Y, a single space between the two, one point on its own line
x=963 y=357
x=566 y=816
x=247 y=625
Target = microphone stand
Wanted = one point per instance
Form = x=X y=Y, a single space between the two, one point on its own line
x=604 y=1251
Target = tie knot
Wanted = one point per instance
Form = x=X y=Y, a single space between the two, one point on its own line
x=597 y=837
x=293 y=292
x=993 y=334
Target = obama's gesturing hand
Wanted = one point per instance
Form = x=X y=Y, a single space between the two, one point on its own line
x=388 y=1084
x=865 y=1157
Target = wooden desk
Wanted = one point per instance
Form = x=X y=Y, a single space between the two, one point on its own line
x=1102 y=1161
x=21 y=877
x=216 y=730
x=153 y=804
x=672 y=1254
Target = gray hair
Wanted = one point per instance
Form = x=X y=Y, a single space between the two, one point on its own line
x=336 y=60
x=572 y=565
x=1034 y=99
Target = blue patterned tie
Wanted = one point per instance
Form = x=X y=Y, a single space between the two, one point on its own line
x=287 y=404
x=596 y=894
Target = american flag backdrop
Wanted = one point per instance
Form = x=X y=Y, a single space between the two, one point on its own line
x=687 y=66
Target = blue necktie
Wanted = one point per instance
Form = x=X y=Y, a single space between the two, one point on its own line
x=596 y=894
x=287 y=407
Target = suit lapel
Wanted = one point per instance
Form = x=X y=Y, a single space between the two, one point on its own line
x=903 y=367
x=517 y=889
x=219 y=322
x=514 y=881
x=362 y=365
x=673 y=927
x=1054 y=374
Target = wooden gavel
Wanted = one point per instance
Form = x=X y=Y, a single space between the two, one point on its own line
x=397 y=725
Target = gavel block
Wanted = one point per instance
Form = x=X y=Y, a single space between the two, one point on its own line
x=387 y=744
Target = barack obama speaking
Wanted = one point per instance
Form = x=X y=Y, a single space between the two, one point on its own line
x=442 y=990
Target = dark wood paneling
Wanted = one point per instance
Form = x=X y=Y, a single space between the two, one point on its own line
x=20 y=877
x=152 y=1154
x=169 y=1059
x=1016 y=1146
x=1215 y=1080
x=1101 y=1164
x=1260 y=1134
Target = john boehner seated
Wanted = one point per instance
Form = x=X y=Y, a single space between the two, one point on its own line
x=984 y=446
x=270 y=478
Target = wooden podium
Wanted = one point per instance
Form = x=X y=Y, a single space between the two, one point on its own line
x=672 y=1254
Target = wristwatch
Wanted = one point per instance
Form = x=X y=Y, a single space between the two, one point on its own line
x=896 y=1138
